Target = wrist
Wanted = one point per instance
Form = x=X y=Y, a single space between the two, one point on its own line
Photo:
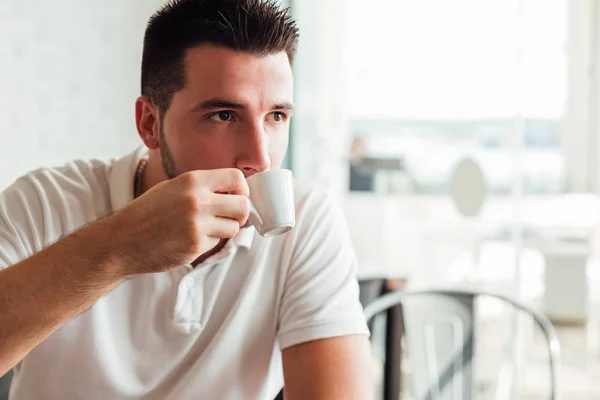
x=99 y=242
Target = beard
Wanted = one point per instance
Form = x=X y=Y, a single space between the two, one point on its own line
x=167 y=160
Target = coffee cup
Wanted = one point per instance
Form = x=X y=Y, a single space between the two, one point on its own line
x=272 y=207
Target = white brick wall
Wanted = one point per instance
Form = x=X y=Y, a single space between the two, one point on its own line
x=69 y=76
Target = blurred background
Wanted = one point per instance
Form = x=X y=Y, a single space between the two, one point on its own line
x=461 y=137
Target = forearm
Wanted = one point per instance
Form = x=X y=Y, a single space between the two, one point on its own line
x=41 y=293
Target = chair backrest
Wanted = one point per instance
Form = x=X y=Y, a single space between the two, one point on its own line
x=440 y=339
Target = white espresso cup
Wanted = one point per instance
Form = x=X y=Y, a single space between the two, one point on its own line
x=272 y=207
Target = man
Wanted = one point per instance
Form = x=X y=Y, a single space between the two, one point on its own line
x=138 y=278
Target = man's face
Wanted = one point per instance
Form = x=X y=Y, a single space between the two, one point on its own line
x=233 y=112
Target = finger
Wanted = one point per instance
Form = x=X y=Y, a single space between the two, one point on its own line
x=231 y=206
x=210 y=243
x=223 y=228
x=229 y=180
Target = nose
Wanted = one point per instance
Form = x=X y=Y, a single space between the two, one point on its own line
x=254 y=155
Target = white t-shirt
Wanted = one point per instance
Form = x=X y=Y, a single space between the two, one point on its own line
x=213 y=332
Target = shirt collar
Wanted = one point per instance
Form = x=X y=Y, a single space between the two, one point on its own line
x=121 y=178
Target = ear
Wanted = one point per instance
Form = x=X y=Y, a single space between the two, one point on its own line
x=147 y=122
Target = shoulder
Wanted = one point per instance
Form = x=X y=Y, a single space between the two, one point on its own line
x=50 y=202
x=76 y=180
x=319 y=217
x=77 y=173
x=313 y=198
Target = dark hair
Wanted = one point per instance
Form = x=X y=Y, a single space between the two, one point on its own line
x=255 y=26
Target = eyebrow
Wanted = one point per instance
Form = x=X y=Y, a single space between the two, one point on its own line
x=284 y=106
x=211 y=104
x=217 y=103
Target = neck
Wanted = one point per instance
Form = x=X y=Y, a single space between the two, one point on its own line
x=151 y=175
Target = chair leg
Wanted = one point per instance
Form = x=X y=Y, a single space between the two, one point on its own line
x=393 y=354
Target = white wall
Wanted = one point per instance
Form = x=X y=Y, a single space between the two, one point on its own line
x=69 y=75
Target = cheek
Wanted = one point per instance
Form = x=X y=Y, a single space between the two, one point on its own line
x=177 y=133
x=193 y=148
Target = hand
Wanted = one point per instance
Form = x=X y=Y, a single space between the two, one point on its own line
x=177 y=221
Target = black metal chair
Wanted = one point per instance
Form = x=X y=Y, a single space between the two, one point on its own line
x=5 y=385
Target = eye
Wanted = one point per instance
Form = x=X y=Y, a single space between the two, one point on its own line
x=222 y=116
x=279 y=116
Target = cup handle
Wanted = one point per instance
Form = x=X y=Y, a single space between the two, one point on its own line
x=255 y=218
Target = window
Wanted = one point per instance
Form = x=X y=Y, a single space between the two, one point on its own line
x=431 y=82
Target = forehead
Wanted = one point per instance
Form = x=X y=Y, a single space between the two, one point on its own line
x=218 y=72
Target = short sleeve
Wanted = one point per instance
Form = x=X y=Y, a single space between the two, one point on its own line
x=18 y=209
x=320 y=296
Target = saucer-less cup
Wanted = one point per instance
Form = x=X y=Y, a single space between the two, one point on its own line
x=272 y=210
